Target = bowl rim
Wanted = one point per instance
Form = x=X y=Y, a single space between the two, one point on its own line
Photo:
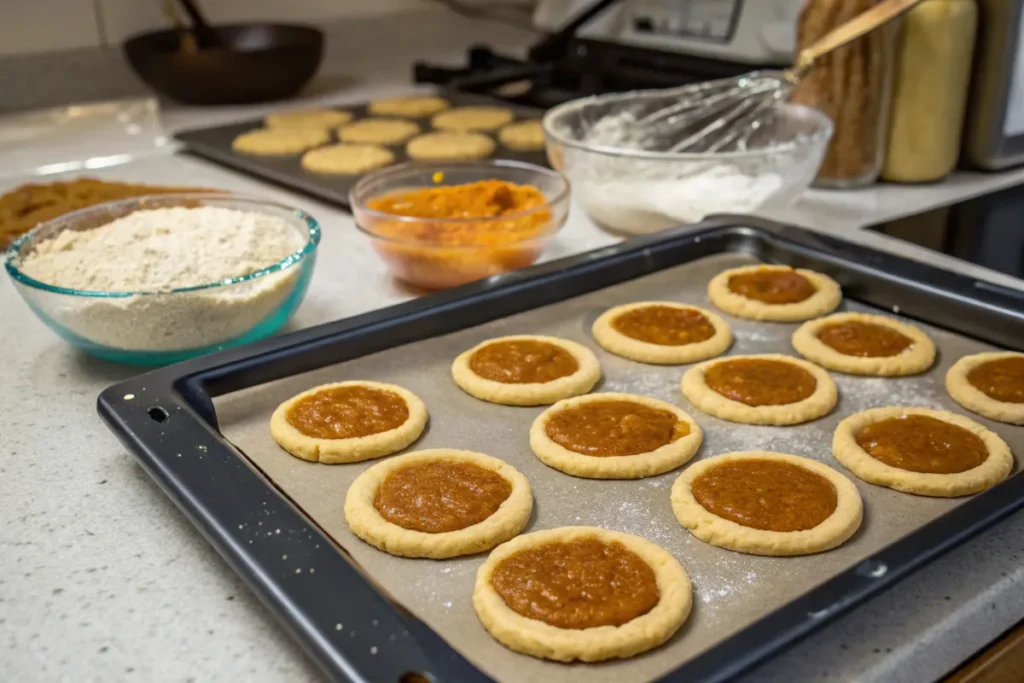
x=822 y=135
x=312 y=241
x=359 y=206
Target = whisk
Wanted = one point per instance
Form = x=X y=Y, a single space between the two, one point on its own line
x=723 y=114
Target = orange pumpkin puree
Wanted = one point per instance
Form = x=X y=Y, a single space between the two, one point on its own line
x=490 y=200
x=467 y=232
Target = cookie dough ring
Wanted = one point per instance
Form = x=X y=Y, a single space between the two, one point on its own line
x=913 y=360
x=307 y=118
x=539 y=639
x=279 y=141
x=346 y=158
x=826 y=297
x=450 y=146
x=508 y=520
x=581 y=381
x=414 y=106
x=613 y=341
x=378 y=131
x=479 y=117
x=661 y=460
x=973 y=398
x=523 y=136
x=707 y=400
x=355 y=449
x=992 y=470
x=725 y=533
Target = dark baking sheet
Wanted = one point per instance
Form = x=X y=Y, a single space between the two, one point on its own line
x=343 y=617
x=215 y=144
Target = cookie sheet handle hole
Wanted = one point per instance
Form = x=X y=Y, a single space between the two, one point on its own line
x=158 y=413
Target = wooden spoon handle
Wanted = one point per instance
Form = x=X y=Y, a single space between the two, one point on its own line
x=863 y=23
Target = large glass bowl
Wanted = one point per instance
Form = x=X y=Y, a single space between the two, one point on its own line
x=637 y=191
x=156 y=328
x=423 y=252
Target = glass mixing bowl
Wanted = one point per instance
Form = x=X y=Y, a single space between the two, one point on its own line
x=437 y=253
x=639 y=191
x=156 y=328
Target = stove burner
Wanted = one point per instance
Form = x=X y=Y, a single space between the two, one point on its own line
x=563 y=67
x=589 y=67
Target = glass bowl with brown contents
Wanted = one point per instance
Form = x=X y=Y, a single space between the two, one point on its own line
x=443 y=225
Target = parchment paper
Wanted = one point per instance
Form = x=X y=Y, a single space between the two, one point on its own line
x=731 y=589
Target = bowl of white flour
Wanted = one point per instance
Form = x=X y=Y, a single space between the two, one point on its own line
x=155 y=280
x=631 y=182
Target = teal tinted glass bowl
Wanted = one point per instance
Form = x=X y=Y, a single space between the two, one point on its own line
x=161 y=327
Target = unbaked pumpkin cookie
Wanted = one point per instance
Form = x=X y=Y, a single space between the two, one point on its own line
x=922 y=451
x=279 y=141
x=766 y=389
x=481 y=117
x=614 y=436
x=581 y=593
x=348 y=422
x=438 y=503
x=775 y=293
x=346 y=159
x=863 y=344
x=662 y=332
x=413 y=106
x=378 y=131
x=526 y=370
x=767 y=503
x=990 y=384
x=307 y=118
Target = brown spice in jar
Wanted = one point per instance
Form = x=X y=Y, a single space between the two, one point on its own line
x=849 y=85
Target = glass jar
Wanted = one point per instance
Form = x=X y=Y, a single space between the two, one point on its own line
x=933 y=73
x=852 y=85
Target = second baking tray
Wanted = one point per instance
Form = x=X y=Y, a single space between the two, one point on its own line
x=287 y=171
x=368 y=616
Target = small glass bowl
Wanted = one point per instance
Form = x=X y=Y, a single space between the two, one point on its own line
x=637 y=191
x=161 y=327
x=414 y=249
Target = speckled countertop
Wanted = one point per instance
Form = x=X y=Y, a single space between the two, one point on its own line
x=102 y=579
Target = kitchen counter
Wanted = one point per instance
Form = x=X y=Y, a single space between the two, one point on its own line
x=102 y=579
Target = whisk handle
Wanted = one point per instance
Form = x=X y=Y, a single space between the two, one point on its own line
x=863 y=23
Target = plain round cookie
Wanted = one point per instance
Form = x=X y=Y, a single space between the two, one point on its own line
x=367 y=523
x=472 y=118
x=583 y=380
x=307 y=118
x=279 y=141
x=664 y=459
x=613 y=341
x=346 y=159
x=378 y=131
x=993 y=470
x=356 y=449
x=709 y=401
x=827 y=296
x=540 y=639
x=974 y=399
x=450 y=147
x=913 y=360
x=414 y=106
x=523 y=136
x=725 y=533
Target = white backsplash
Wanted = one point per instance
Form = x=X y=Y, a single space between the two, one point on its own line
x=28 y=26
